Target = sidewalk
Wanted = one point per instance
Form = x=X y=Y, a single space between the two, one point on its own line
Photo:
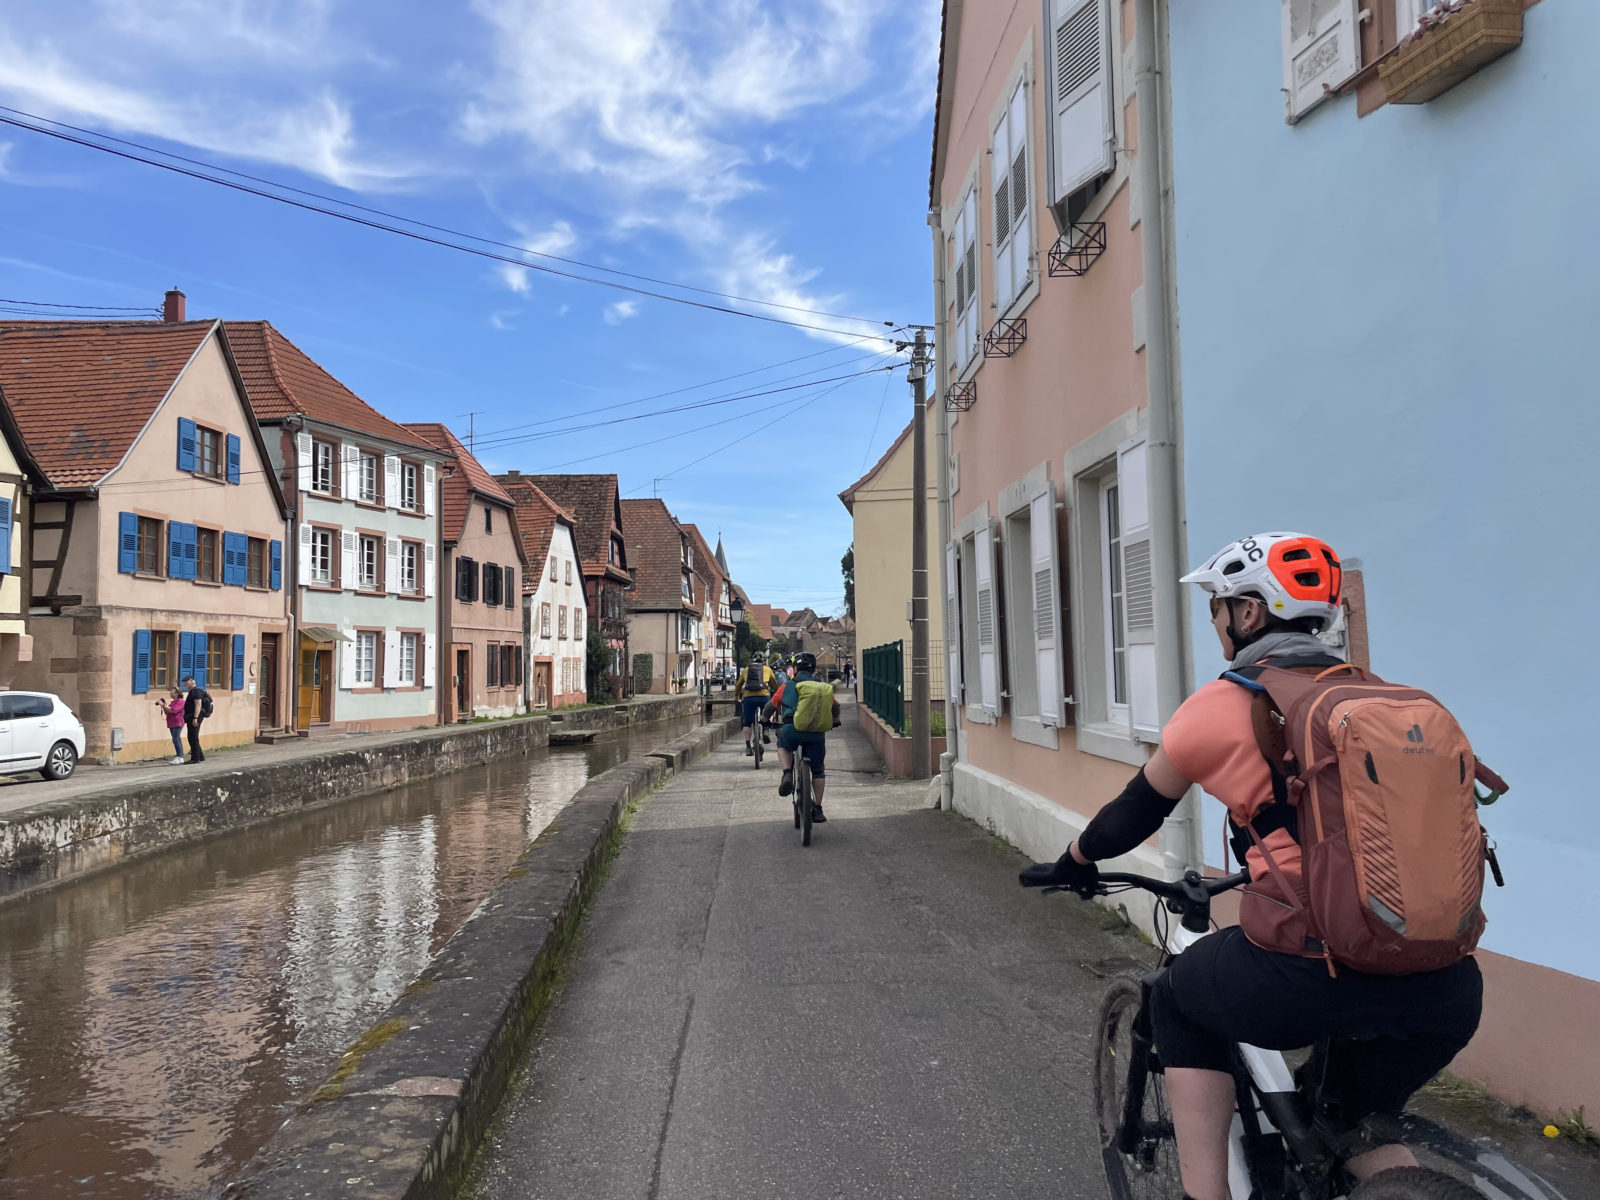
x=884 y=1014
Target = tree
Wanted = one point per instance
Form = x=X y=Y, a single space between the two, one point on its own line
x=847 y=566
x=598 y=652
x=644 y=672
x=747 y=642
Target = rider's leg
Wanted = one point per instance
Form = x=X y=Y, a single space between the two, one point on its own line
x=785 y=758
x=1202 y=1112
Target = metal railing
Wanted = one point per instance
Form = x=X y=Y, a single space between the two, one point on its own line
x=883 y=682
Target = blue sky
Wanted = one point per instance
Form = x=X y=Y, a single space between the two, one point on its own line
x=777 y=151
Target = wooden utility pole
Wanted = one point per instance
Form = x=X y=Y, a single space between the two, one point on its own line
x=921 y=733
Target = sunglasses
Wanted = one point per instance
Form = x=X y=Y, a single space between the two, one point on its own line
x=1218 y=601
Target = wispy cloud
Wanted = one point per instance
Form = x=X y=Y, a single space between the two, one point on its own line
x=559 y=238
x=622 y=310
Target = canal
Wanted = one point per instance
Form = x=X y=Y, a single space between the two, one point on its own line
x=159 y=1021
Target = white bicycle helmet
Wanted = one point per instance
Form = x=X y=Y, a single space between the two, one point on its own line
x=1295 y=575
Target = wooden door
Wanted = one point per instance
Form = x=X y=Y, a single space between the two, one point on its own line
x=463 y=683
x=267 y=682
x=304 y=692
x=541 y=685
x=322 y=688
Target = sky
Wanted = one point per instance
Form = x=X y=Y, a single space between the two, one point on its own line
x=775 y=152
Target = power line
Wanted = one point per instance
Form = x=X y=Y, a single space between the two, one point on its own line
x=351 y=217
x=866 y=453
x=83 y=307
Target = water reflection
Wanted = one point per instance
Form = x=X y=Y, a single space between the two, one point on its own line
x=158 y=1022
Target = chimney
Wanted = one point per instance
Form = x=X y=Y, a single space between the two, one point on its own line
x=172 y=306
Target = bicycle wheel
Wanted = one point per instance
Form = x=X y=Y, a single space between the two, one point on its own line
x=1414 y=1183
x=755 y=741
x=1138 y=1147
x=802 y=795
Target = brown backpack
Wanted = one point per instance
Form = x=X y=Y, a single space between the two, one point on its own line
x=1381 y=778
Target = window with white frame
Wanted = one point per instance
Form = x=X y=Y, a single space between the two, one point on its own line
x=322 y=460
x=368 y=556
x=1321 y=47
x=410 y=553
x=408 y=487
x=980 y=622
x=1032 y=601
x=1008 y=189
x=406 y=669
x=368 y=473
x=366 y=652
x=1115 y=626
x=322 y=556
x=965 y=250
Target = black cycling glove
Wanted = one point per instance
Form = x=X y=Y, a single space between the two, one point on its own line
x=1065 y=872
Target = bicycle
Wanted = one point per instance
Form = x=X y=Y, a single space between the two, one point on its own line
x=1275 y=1150
x=758 y=736
x=802 y=796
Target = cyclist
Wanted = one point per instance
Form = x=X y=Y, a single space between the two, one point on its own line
x=753 y=691
x=813 y=745
x=1269 y=597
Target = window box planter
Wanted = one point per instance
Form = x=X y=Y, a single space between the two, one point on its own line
x=1437 y=59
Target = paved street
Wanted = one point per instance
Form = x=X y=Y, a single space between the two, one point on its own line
x=884 y=1014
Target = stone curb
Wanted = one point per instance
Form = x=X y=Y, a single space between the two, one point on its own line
x=59 y=840
x=402 y=1114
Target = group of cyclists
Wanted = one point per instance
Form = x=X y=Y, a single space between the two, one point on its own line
x=771 y=698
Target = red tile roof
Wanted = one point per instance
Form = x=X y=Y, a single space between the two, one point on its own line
x=283 y=379
x=592 y=500
x=81 y=393
x=459 y=486
x=655 y=549
x=537 y=517
x=761 y=618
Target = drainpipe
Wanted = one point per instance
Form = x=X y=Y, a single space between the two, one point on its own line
x=291 y=572
x=1180 y=837
x=941 y=345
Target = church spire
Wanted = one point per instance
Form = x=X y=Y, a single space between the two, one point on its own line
x=722 y=559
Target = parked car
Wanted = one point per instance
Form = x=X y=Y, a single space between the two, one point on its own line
x=38 y=732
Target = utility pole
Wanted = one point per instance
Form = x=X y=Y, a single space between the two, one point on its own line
x=472 y=429
x=921 y=733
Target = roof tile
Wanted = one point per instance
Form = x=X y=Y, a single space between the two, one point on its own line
x=459 y=485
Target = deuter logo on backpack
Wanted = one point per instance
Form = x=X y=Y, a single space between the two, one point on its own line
x=1415 y=736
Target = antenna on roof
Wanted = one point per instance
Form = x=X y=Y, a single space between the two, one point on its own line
x=472 y=427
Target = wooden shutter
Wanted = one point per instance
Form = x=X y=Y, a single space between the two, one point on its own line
x=391 y=658
x=952 y=624
x=391 y=565
x=349 y=470
x=1008 y=167
x=391 y=481
x=200 y=658
x=5 y=535
x=233 y=458
x=427 y=489
x=302 y=459
x=276 y=566
x=427 y=658
x=187 y=437
x=305 y=555
x=988 y=623
x=348 y=575
x=1138 y=586
x=127 y=543
x=1320 y=50
x=185 y=656
x=141 y=660
x=508 y=589
x=230 y=559
x=238 y=662
x=428 y=574
x=1080 y=89
x=967 y=331
x=174 y=550
x=347 y=661
x=1046 y=573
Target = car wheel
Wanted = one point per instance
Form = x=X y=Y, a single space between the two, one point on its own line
x=60 y=762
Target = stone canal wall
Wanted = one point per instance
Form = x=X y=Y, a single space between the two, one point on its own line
x=62 y=839
x=407 y=1105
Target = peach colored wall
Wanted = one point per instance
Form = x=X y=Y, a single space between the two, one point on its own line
x=1078 y=370
x=477 y=624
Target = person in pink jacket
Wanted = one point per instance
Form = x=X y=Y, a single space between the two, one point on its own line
x=172 y=709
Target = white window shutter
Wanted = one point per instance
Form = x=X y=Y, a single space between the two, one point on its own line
x=1138 y=587
x=1321 y=46
x=391 y=658
x=427 y=489
x=305 y=555
x=427 y=660
x=347 y=561
x=303 y=450
x=391 y=481
x=1000 y=209
x=391 y=565
x=1021 y=217
x=347 y=662
x=1046 y=604
x=431 y=573
x=350 y=479
x=952 y=624
x=1080 y=91
x=967 y=333
x=988 y=628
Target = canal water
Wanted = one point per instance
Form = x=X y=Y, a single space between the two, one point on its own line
x=159 y=1021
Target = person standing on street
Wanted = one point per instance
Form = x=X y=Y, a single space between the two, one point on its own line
x=172 y=709
x=196 y=708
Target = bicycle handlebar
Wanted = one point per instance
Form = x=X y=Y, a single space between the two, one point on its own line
x=1189 y=897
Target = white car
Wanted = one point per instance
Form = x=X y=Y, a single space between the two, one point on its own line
x=38 y=732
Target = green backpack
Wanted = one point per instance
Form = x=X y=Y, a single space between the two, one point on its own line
x=813 y=710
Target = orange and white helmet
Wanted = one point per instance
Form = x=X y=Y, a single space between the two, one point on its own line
x=1296 y=576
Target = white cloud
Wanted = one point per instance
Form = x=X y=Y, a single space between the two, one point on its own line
x=558 y=239
x=514 y=277
x=622 y=310
x=501 y=320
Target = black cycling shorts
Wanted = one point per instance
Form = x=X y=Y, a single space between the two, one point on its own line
x=1391 y=1033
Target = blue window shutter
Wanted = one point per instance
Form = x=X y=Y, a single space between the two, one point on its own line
x=277 y=564
x=5 y=535
x=227 y=559
x=174 y=549
x=187 y=437
x=141 y=660
x=238 y=662
x=241 y=559
x=185 y=656
x=191 y=549
x=127 y=543
x=199 y=658
x=233 y=458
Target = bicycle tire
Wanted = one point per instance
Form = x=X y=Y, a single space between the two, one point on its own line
x=1414 y=1183
x=755 y=743
x=1151 y=1171
x=802 y=791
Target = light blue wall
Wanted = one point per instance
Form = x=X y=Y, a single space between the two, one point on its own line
x=1388 y=339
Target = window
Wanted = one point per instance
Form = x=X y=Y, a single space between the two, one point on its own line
x=1081 y=128
x=466 y=580
x=491 y=584
x=569 y=572
x=161 y=665
x=322 y=557
x=366 y=652
x=980 y=640
x=688 y=587
x=577 y=624
x=508 y=676
x=615 y=555
x=1008 y=175
x=323 y=456
x=410 y=552
x=509 y=592
x=256 y=563
x=563 y=621
x=492 y=666
x=367 y=474
x=1032 y=602
x=219 y=648
x=554 y=569
x=1116 y=629
x=368 y=554
x=208 y=558
x=488 y=519
x=1320 y=48
x=965 y=249
x=408 y=487
x=544 y=620
x=149 y=551
x=406 y=670
x=208 y=445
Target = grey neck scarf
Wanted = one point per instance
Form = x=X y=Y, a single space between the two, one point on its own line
x=1281 y=643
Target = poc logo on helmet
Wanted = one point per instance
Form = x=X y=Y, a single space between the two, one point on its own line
x=1414 y=736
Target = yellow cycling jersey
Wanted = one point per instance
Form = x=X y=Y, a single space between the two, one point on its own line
x=768 y=682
